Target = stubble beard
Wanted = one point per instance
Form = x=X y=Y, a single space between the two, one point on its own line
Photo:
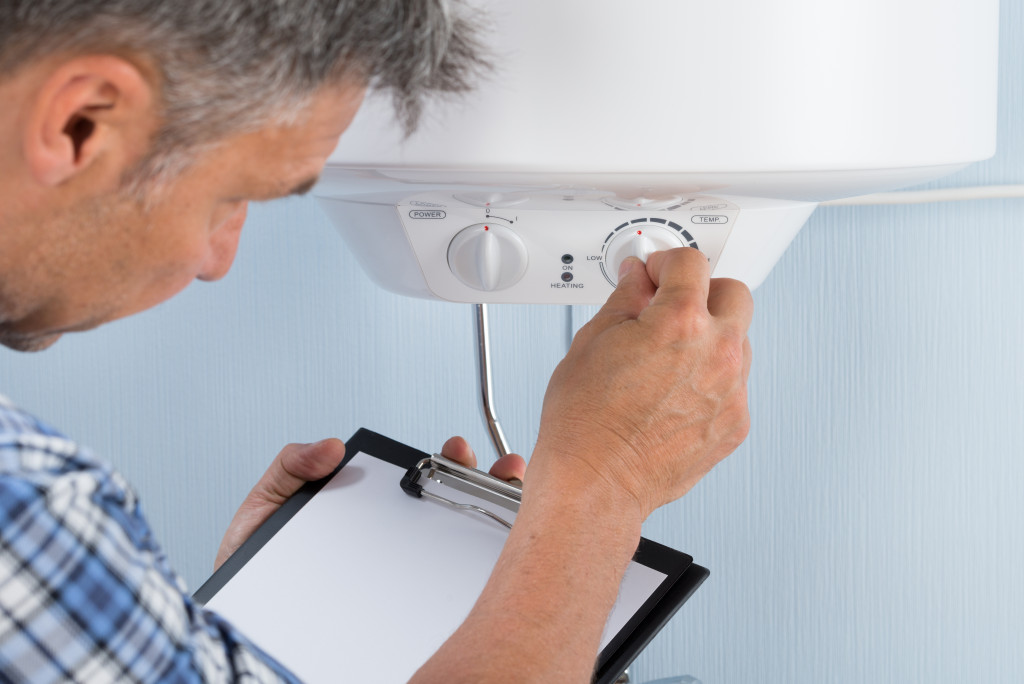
x=21 y=291
x=16 y=339
x=27 y=343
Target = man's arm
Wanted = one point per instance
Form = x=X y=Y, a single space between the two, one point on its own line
x=86 y=592
x=651 y=395
x=649 y=398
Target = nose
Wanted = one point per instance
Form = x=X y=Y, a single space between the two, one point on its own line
x=223 y=245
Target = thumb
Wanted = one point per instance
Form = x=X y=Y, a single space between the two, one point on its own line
x=632 y=294
x=292 y=468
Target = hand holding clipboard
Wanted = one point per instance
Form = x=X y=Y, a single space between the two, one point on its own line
x=377 y=579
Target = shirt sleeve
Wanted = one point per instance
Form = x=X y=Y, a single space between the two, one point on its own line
x=86 y=594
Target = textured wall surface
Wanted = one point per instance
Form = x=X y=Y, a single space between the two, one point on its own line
x=870 y=529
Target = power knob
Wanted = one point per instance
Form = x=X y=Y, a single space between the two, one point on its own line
x=487 y=256
x=639 y=241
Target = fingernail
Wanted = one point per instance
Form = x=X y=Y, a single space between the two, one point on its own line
x=626 y=266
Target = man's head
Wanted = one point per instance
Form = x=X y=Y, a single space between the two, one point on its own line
x=134 y=132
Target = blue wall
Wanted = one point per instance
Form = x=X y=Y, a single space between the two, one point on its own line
x=870 y=529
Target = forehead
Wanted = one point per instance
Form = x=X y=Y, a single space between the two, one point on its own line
x=323 y=118
x=287 y=153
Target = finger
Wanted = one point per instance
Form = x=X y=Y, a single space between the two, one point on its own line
x=458 y=449
x=681 y=275
x=633 y=292
x=730 y=302
x=631 y=296
x=509 y=467
x=296 y=465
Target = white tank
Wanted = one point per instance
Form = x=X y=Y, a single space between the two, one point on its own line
x=608 y=129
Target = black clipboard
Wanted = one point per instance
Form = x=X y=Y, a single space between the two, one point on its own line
x=682 y=576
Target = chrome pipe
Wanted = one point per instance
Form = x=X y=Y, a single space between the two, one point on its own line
x=486 y=383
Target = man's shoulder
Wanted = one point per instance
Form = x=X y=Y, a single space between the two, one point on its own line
x=38 y=455
x=16 y=422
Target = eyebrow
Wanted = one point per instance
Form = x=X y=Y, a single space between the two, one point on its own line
x=305 y=186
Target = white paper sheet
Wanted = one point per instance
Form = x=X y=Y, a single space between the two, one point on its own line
x=364 y=583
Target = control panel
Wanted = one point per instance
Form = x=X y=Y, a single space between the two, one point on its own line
x=550 y=247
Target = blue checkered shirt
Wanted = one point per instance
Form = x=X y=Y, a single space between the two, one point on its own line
x=86 y=594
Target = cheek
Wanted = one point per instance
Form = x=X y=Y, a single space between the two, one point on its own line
x=182 y=237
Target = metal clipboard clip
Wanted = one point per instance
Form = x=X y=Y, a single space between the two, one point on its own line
x=456 y=476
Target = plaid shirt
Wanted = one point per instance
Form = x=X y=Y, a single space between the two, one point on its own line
x=86 y=594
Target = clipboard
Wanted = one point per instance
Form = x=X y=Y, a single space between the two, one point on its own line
x=362 y=575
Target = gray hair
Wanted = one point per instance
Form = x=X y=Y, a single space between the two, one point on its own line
x=229 y=66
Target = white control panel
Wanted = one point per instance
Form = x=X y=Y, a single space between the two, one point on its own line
x=515 y=247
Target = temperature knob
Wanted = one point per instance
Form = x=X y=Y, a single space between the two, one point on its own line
x=487 y=256
x=639 y=241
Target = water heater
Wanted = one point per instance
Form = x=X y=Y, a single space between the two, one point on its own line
x=608 y=129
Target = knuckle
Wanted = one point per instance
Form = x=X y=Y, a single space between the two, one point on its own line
x=587 y=331
x=689 y=319
x=682 y=257
x=731 y=300
x=304 y=460
x=732 y=288
x=730 y=353
x=679 y=260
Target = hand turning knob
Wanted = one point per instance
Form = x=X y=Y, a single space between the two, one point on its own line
x=487 y=256
x=639 y=241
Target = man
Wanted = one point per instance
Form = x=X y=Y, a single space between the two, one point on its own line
x=132 y=137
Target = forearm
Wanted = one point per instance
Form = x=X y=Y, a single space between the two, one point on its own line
x=541 y=615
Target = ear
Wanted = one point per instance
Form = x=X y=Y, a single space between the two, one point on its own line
x=93 y=113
